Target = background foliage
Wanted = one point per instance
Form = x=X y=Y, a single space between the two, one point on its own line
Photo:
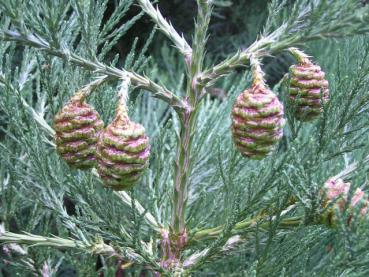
x=40 y=194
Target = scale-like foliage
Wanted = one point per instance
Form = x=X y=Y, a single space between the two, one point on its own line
x=199 y=208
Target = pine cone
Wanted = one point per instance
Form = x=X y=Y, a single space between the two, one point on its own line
x=257 y=122
x=123 y=151
x=308 y=90
x=77 y=128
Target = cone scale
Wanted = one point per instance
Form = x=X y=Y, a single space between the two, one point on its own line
x=257 y=121
x=77 y=128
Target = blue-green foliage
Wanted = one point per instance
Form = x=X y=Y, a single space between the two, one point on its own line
x=40 y=194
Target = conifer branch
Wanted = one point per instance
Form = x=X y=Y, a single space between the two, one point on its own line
x=34 y=240
x=200 y=37
x=97 y=247
x=347 y=21
x=258 y=50
x=96 y=66
x=198 y=193
x=246 y=225
x=167 y=28
x=204 y=10
x=124 y=196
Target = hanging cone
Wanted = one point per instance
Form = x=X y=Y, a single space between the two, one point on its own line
x=257 y=122
x=123 y=152
x=308 y=88
x=257 y=117
x=77 y=128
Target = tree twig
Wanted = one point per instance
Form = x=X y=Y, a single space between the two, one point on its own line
x=166 y=27
x=96 y=66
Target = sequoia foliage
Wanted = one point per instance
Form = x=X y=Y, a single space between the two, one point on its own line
x=209 y=196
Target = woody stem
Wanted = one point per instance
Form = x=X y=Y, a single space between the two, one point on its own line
x=188 y=119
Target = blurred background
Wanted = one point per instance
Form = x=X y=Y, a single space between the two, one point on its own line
x=235 y=24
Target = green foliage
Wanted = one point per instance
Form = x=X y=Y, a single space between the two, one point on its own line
x=243 y=217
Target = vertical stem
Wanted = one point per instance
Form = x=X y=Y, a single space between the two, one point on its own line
x=178 y=234
x=182 y=171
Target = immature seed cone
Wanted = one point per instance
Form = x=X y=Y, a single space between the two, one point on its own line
x=308 y=90
x=123 y=152
x=257 y=121
x=77 y=128
x=337 y=191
